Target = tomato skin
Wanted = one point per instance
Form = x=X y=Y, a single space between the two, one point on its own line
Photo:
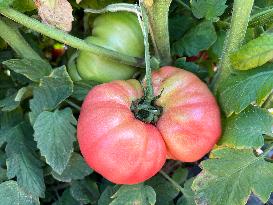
x=115 y=144
x=127 y=151
x=191 y=122
x=72 y=70
x=119 y=31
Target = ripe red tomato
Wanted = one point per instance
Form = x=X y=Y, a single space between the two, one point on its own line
x=126 y=150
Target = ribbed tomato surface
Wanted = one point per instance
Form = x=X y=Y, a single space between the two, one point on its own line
x=124 y=149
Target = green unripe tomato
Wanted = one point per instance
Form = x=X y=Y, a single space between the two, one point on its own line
x=120 y=32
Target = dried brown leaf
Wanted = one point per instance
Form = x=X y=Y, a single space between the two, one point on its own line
x=57 y=13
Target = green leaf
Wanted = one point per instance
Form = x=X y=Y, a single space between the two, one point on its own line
x=81 y=88
x=66 y=199
x=246 y=129
x=243 y=88
x=13 y=101
x=75 y=169
x=52 y=90
x=5 y=82
x=105 y=197
x=55 y=134
x=23 y=5
x=199 y=38
x=209 y=9
x=9 y=120
x=180 y=175
x=8 y=103
x=188 y=194
x=21 y=160
x=231 y=176
x=253 y=54
x=12 y=194
x=3 y=175
x=178 y=25
x=32 y=69
x=2 y=158
x=85 y=191
x=165 y=191
x=134 y=194
x=5 y=3
x=192 y=67
x=217 y=47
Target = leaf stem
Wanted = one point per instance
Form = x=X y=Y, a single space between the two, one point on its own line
x=13 y=37
x=67 y=39
x=73 y=104
x=133 y=8
x=176 y=185
x=234 y=39
x=149 y=91
x=184 y=5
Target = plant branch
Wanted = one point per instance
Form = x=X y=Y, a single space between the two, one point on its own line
x=184 y=5
x=149 y=91
x=234 y=39
x=133 y=8
x=67 y=39
x=13 y=37
x=158 y=12
x=176 y=185
x=78 y=108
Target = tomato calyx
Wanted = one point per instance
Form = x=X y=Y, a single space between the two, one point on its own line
x=146 y=110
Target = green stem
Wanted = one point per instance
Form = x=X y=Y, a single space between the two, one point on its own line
x=184 y=5
x=176 y=185
x=234 y=39
x=73 y=104
x=67 y=39
x=222 y=24
x=158 y=12
x=13 y=37
x=149 y=91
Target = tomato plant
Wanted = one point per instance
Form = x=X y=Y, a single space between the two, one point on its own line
x=164 y=102
x=116 y=31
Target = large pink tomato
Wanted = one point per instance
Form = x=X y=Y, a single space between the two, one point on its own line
x=126 y=150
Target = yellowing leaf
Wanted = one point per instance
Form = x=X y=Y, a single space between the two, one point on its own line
x=57 y=13
x=255 y=53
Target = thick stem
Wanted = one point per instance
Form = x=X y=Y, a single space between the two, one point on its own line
x=158 y=11
x=144 y=108
x=67 y=39
x=13 y=37
x=234 y=39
